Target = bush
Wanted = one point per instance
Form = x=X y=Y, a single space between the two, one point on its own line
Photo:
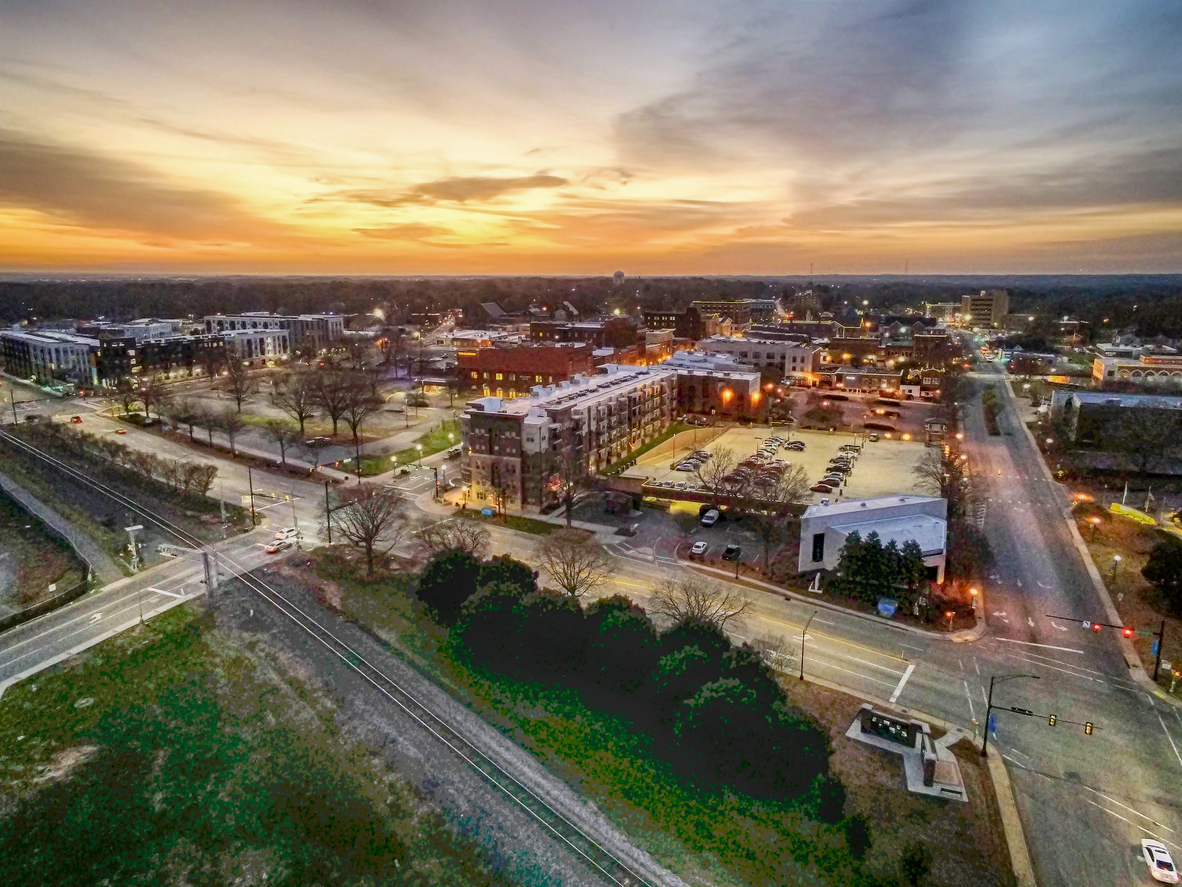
x=448 y=580
x=830 y=799
x=505 y=569
x=1163 y=570
x=857 y=835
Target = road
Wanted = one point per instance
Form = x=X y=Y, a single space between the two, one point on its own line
x=1085 y=801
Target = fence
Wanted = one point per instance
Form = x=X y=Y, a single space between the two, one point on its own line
x=684 y=443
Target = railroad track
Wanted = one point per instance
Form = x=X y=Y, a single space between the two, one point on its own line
x=600 y=860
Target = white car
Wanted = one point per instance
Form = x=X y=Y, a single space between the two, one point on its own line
x=1157 y=857
x=699 y=548
x=287 y=533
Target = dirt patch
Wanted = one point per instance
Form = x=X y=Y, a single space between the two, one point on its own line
x=966 y=840
x=65 y=762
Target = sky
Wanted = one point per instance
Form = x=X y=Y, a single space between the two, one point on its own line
x=575 y=137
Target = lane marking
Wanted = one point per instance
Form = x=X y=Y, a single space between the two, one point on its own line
x=1169 y=737
x=1126 y=807
x=168 y=593
x=903 y=682
x=972 y=711
x=1044 y=646
x=1060 y=662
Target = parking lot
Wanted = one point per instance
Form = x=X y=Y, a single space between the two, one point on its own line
x=881 y=468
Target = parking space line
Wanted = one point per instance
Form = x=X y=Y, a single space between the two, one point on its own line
x=1170 y=738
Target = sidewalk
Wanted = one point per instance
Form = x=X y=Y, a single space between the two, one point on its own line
x=105 y=568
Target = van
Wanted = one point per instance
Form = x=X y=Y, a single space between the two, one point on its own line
x=710 y=518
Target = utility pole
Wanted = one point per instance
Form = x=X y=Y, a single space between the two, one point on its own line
x=1161 y=641
x=250 y=483
x=327 y=514
x=803 y=634
x=295 y=521
x=997 y=679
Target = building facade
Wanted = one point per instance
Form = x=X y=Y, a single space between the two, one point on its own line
x=793 y=359
x=1148 y=369
x=714 y=384
x=738 y=310
x=512 y=371
x=986 y=309
x=519 y=452
x=48 y=356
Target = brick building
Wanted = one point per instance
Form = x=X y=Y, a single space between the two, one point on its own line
x=511 y=372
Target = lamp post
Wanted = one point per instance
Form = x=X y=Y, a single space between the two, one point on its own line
x=973 y=596
x=997 y=679
x=1095 y=522
x=1115 y=563
x=419 y=447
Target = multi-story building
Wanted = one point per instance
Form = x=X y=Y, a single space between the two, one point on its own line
x=987 y=309
x=614 y=332
x=738 y=310
x=519 y=451
x=1090 y=417
x=49 y=356
x=793 y=359
x=686 y=323
x=714 y=383
x=315 y=331
x=946 y=311
x=512 y=371
x=1148 y=369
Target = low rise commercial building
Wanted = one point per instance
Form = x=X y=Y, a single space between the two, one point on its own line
x=899 y=519
x=738 y=310
x=791 y=358
x=1091 y=418
x=1146 y=369
x=714 y=384
x=987 y=309
x=519 y=452
x=513 y=370
x=847 y=378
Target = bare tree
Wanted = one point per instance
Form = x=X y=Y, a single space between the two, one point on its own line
x=942 y=474
x=370 y=517
x=451 y=534
x=297 y=398
x=315 y=447
x=128 y=396
x=767 y=498
x=231 y=423
x=212 y=360
x=284 y=434
x=153 y=393
x=332 y=395
x=566 y=475
x=239 y=382
x=359 y=406
x=714 y=475
x=692 y=598
x=201 y=477
x=575 y=560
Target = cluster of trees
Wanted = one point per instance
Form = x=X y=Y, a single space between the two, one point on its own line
x=869 y=570
x=1163 y=571
x=763 y=493
x=991 y=406
x=714 y=711
x=178 y=476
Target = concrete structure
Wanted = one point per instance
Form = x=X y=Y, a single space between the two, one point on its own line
x=512 y=371
x=519 y=451
x=792 y=359
x=987 y=309
x=1146 y=369
x=471 y=339
x=920 y=519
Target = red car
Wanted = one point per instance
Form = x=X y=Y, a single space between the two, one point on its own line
x=76 y=419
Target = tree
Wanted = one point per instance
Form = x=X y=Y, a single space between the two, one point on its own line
x=184 y=412
x=945 y=475
x=575 y=560
x=239 y=382
x=447 y=581
x=332 y=395
x=127 y=395
x=370 y=517
x=201 y=477
x=1163 y=570
x=567 y=475
x=1145 y=439
x=969 y=554
x=507 y=570
x=451 y=534
x=231 y=423
x=212 y=360
x=915 y=863
x=714 y=475
x=359 y=405
x=691 y=597
x=284 y=435
x=153 y=393
x=767 y=498
x=857 y=835
x=297 y=398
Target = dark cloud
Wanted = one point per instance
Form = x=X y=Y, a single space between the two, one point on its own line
x=94 y=191
x=409 y=231
x=454 y=190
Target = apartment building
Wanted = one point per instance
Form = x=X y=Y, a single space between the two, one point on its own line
x=48 y=356
x=276 y=334
x=714 y=383
x=988 y=309
x=793 y=359
x=512 y=371
x=517 y=450
x=738 y=310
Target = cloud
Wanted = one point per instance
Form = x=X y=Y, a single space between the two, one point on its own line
x=455 y=190
x=87 y=189
x=602 y=222
x=408 y=231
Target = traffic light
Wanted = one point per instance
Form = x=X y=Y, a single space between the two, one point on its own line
x=1096 y=626
x=1127 y=632
x=1051 y=719
x=1088 y=728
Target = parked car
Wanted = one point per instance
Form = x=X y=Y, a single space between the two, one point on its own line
x=454 y=453
x=732 y=552
x=699 y=548
x=1157 y=857
x=286 y=533
x=77 y=420
x=710 y=518
x=872 y=437
x=821 y=488
x=318 y=442
x=276 y=547
x=121 y=431
x=796 y=445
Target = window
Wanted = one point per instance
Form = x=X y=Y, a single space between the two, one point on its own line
x=500 y=392
x=486 y=391
x=537 y=378
x=818 y=547
x=499 y=377
x=475 y=375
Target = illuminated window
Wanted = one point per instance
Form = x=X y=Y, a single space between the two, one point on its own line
x=500 y=392
x=486 y=391
x=499 y=377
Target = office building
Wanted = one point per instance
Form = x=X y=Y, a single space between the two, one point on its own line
x=986 y=310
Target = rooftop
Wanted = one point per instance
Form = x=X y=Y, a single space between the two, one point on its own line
x=930 y=533
x=579 y=387
x=862 y=506
x=1105 y=398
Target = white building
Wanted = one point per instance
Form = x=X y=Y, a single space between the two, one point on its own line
x=46 y=355
x=286 y=330
x=794 y=359
x=922 y=519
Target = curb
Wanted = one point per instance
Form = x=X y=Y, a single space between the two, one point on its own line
x=1132 y=660
x=963 y=636
x=1007 y=805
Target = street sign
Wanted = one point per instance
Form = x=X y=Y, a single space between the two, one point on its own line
x=1086 y=624
x=993 y=724
x=1156 y=646
x=1022 y=711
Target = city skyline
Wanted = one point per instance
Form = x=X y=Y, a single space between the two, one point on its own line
x=750 y=138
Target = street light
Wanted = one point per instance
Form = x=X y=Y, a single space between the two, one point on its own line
x=973 y=593
x=419 y=447
x=1115 y=564
x=997 y=679
x=803 y=635
x=1095 y=522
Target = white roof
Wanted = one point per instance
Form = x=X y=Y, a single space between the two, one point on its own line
x=929 y=532
x=862 y=506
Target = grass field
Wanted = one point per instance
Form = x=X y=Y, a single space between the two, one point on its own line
x=176 y=753
x=714 y=838
x=37 y=559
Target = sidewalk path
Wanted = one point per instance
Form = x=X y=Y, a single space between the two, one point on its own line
x=105 y=568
